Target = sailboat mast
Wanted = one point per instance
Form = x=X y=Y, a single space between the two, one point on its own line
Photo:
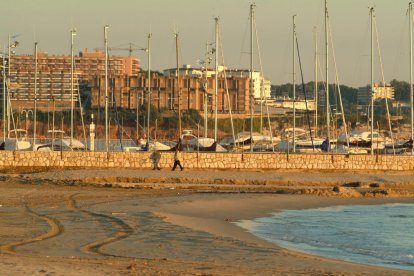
x=178 y=84
x=205 y=93
x=294 y=82
x=137 y=117
x=8 y=92
x=4 y=100
x=8 y=111
x=327 y=71
x=216 y=77
x=252 y=6
x=106 y=86
x=316 y=81
x=35 y=100
x=72 y=34
x=372 y=79
x=410 y=13
x=149 y=86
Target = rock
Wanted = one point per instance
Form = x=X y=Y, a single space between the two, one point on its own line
x=346 y=192
x=352 y=184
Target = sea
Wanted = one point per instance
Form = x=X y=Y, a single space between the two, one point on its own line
x=380 y=235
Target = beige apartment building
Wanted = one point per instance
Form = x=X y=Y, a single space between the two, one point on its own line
x=54 y=76
x=131 y=90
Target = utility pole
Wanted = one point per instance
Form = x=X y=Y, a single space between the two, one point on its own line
x=106 y=87
x=35 y=100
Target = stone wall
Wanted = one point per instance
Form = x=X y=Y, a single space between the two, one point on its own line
x=141 y=160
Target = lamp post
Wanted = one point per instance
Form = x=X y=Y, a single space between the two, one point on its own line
x=26 y=114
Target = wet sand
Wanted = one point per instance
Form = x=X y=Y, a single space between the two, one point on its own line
x=51 y=223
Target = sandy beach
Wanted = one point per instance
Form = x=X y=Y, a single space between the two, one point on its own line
x=128 y=222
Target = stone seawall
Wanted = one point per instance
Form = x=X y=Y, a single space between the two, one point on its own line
x=142 y=160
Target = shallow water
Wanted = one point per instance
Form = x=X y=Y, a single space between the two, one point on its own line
x=381 y=235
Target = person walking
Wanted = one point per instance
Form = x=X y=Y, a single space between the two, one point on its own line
x=156 y=157
x=177 y=159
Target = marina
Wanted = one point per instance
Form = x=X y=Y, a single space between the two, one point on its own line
x=290 y=122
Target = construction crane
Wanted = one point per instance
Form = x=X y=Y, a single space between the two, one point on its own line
x=131 y=47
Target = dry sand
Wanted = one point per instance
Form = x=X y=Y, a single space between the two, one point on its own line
x=67 y=223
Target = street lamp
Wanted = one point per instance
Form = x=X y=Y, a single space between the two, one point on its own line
x=26 y=113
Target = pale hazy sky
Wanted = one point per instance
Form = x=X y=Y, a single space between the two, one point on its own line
x=49 y=22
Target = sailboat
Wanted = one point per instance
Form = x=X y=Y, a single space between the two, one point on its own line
x=297 y=139
x=372 y=139
x=64 y=143
x=21 y=140
x=406 y=146
x=250 y=140
x=188 y=141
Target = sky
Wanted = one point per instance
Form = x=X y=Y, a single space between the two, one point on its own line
x=49 y=22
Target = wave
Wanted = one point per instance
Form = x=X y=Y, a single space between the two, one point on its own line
x=370 y=234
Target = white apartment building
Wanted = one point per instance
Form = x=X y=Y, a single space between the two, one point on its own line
x=288 y=104
x=380 y=91
x=261 y=86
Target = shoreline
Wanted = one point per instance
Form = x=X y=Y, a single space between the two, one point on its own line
x=184 y=215
x=170 y=228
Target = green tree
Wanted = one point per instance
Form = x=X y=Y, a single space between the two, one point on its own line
x=401 y=90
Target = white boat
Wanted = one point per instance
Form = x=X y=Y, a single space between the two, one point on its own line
x=148 y=147
x=243 y=141
x=361 y=141
x=58 y=143
x=190 y=142
x=20 y=142
x=303 y=141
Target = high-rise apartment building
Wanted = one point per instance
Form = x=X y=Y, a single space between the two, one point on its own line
x=54 y=76
x=128 y=91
